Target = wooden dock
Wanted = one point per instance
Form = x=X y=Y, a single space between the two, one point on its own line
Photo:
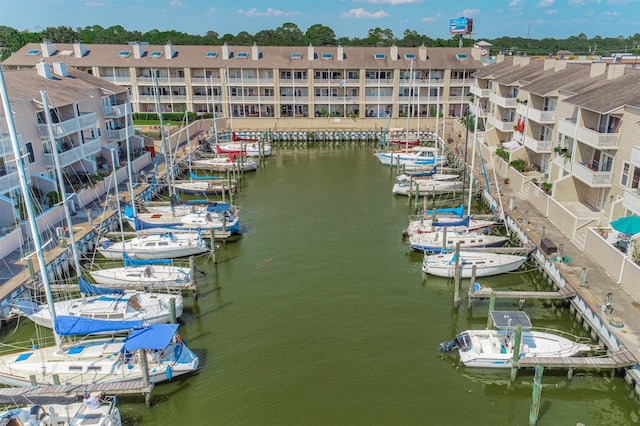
x=10 y=395
x=618 y=359
x=487 y=293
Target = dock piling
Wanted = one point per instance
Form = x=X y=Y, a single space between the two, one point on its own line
x=537 y=391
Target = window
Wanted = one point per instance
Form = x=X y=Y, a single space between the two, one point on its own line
x=211 y=55
x=32 y=157
x=409 y=55
x=624 y=177
x=156 y=54
x=296 y=56
x=124 y=54
x=242 y=55
x=33 y=52
x=636 y=178
x=378 y=56
x=327 y=56
x=461 y=55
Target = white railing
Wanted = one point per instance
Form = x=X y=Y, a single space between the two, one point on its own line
x=68 y=127
x=73 y=155
x=114 y=111
x=537 y=145
x=635 y=156
x=117 y=135
x=502 y=125
x=589 y=136
x=5 y=143
x=631 y=200
x=483 y=93
x=502 y=101
x=592 y=178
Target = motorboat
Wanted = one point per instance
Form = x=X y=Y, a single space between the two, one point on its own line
x=164 y=244
x=436 y=242
x=145 y=273
x=486 y=264
x=496 y=348
x=107 y=305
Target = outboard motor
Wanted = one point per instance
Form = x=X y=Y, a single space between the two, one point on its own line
x=448 y=346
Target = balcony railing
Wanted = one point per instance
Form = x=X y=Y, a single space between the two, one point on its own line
x=114 y=111
x=378 y=99
x=75 y=154
x=635 y=156
x=539 y=116
x=592 y=178
x=563 y=162
x=117 y=135
x=536 y=145
x=293 y=82
x=11 y=180
x=117 y=80
x=205 y=80
x=479 y=111
x=292 y=99
x=502 y=125
x=589 y=137
x=5 y=145
x=483 y=93
x=377 y=82
x=68 y=127
x=502 y=101
x=631 y=200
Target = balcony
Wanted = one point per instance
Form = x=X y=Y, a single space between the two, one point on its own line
x=5 y=145
x=292 y=82
x=458 y=99
x=563 y=162
x=535 y=145
x=117 y=80
x=293 y=99
x=631 y=200
x=75 y=154
x=68 y=127
x=117 y=135
x=539 y=116
x=10 y=180
x=479 y=111
x=376 y=82
x=589 y=137
x=378 y=99
x=205 y=80
x=252 y=81
x=593 y=178
x=502 y=125
x=481 y=93
x=502 y=101
x=114 y=111
x=635 y=156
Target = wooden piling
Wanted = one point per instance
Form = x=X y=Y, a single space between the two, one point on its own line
x=144 y=367
x=456 y=278
x=537 y=391
x=516 y=351
x=172 y=310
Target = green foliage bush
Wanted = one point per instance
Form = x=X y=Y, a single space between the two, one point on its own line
x=518 y=164
x=502 y=153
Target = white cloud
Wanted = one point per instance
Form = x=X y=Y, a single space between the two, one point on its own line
x=95 y=4
x=269 y=12
x=546 y=3
x=516 y=4
x=360 y=13
x=432 y=18
x=469 y=12
x=552 y=12
x=176 y=3
x=577 y=2
x=212 y=11
x=609 y=15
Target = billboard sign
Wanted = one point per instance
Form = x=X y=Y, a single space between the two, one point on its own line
x=460 y=26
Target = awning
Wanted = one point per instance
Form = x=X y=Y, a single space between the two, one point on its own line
x=511 y=145
x=629 y=225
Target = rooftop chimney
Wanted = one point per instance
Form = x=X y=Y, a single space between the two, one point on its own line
x=48 y=48
x=44 y=69
x=79 y=49
x=340 y=53
x=225 y=51
x=394 y=53
x=60 y=68
x=310 y=53
x=255 y=52
x=597 y=68
x=549 y=64
x=138 y=50
x=560 y=65
x=169 y=50
x=614 y=71
x=422 y=52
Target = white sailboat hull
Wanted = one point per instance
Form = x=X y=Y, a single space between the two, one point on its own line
x=155 y=246
x=93 y=361
x=143 y=275
x=487 y=264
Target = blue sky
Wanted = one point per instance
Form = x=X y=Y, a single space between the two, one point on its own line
x=351 y=18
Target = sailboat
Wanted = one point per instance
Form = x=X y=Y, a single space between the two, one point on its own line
x=232 y=142
x=198 y=221
x=146 y=273
x=453 y=218
x=155 y=349
x=107 y=305
x=63 y=412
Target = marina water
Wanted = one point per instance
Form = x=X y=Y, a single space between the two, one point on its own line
x=320 y=315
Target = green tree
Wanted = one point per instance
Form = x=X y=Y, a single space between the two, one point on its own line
x=60 y=34
x=321 y=35
x=289 y=35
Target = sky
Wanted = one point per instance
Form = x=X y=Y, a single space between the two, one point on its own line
x=535 y=19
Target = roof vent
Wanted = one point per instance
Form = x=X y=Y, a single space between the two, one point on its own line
x=60 y=68
x=44 y=69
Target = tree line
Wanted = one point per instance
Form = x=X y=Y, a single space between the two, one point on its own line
x=289 y=34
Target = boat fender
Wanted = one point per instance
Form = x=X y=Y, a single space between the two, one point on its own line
x=169 y=373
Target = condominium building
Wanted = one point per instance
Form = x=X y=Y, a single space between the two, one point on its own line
x=356 y=87
x=90 y=119
x=577 y=127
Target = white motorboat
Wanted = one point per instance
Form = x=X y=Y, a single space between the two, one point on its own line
x=234 y=143
x=143 y=273
x=487 y=264
x=101 y=360
x=161 y=245
x=437 y=241
x=495 y=348
x=68 y=412
x=107 y=305
x=433 y=185
x=225 y=163
x=415 y=156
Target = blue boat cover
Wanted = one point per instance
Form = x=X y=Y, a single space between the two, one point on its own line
x=129 y=261
x=455 y=210
x=462 y=222
x=66 y=325
x=141 y=224
x=155 y=336
x=87 y=288
x=197 y=177
x=27 y=307
x=127 y=211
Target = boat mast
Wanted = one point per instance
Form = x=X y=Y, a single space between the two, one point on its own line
x=167 y=162
x=28 y=205
x=63 y=190
x=406 y=135
x=129 y=165
x=473 y=156
x=215 y=116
